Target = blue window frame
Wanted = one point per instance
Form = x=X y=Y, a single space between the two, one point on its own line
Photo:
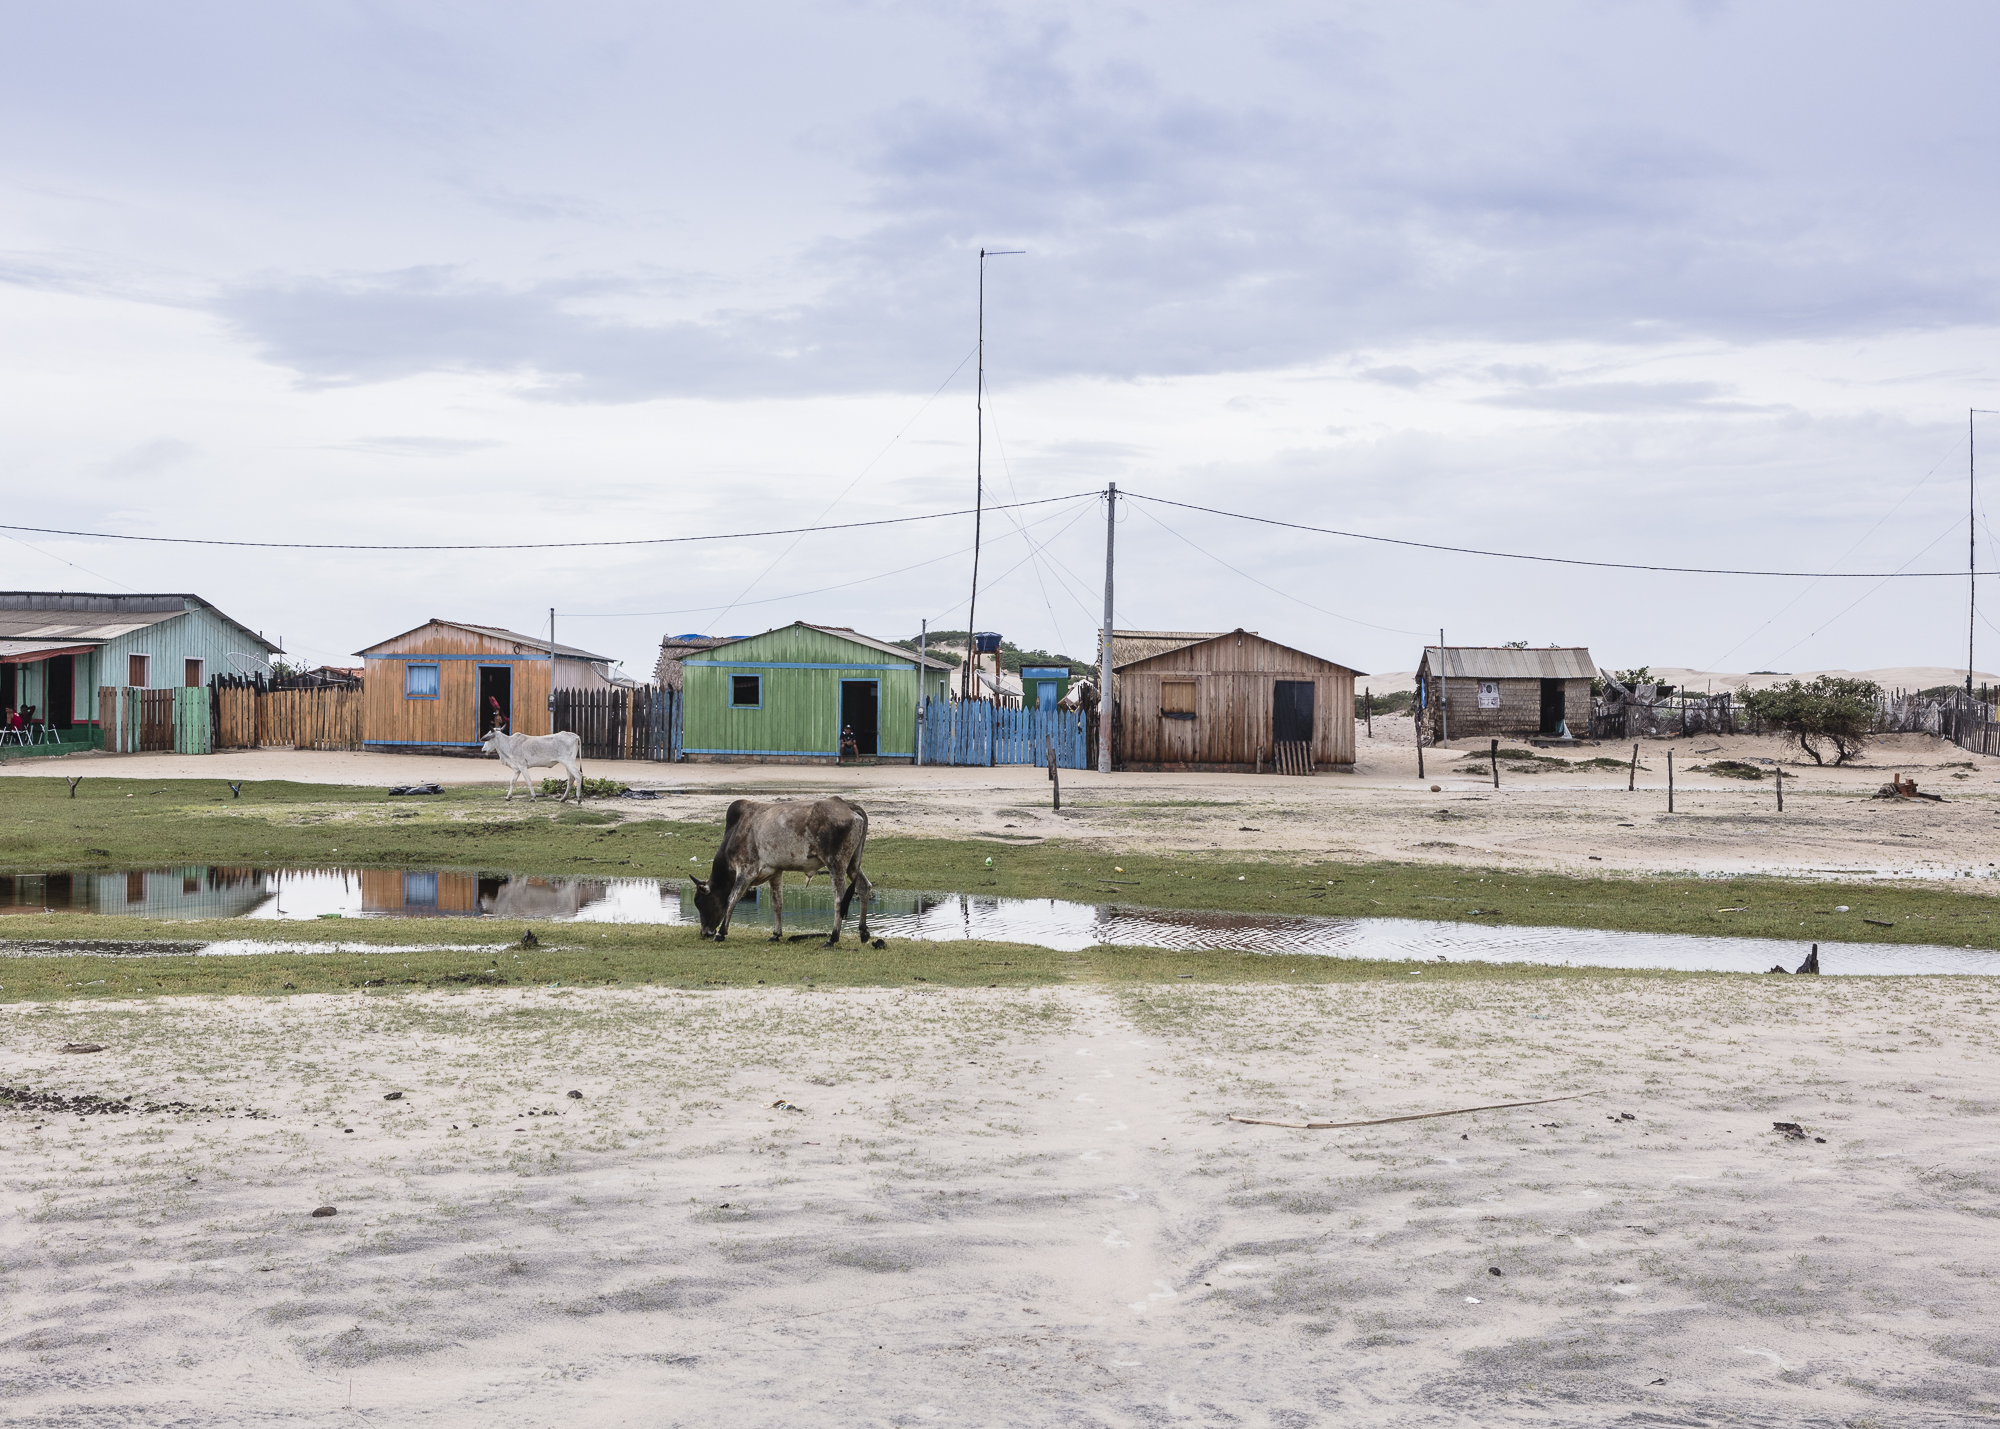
x=420 y=890
x=420 y=682
x=746 y=692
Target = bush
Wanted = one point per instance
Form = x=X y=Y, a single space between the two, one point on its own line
x=1830 y=710
x=1728 y=769
x=592 y=788
x=1401 y=702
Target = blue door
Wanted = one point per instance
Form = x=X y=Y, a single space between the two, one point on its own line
x=1047 y=692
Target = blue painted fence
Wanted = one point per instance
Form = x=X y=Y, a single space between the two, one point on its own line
x=977 y=732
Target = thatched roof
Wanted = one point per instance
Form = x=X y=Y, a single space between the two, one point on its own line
x=1130 y=645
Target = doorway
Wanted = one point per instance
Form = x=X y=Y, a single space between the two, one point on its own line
x=1552 y=706
x=1292 y=712
x=496 y=698
x=61 y=691
x=859 y=715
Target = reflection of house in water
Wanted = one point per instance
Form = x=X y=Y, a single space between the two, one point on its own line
x=429 y=895
x=539 y=897
x=200 y=891
x=471 y=895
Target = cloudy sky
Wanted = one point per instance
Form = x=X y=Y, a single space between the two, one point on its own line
x=1694 y=284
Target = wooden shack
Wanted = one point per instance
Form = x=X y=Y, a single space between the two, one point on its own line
x=784 y=697
x=442 y=685
x=1226 y=702
x=1475 y=692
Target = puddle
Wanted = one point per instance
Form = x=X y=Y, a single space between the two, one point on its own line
x=290 y=895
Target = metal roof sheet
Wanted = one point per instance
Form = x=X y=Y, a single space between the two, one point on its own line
x=1486 y=662
x=533 y=642
x=71 y=627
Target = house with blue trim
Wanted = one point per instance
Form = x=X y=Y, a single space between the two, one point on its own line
x=441 y=686
x=793 y=695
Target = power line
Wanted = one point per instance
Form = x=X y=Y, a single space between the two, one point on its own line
x=1273 y=589
x=535 y=545
x=800 y=594
x=1557 y=560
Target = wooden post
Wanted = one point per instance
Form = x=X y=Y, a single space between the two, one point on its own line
x=1260 y=759
x=1670 y=781
x=1781 y=791
x=1632 y=778
x=1496 y=763
x=1420 y=751
x=1055 y=781
x=1368 y=709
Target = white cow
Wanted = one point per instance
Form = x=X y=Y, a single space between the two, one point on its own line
x=524 y=752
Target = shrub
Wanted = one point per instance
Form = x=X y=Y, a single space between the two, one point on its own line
x=1401 y=702
x=1830 y=710
x=592 y=788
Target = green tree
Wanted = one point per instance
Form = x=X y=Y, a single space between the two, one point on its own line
x=1827 y=711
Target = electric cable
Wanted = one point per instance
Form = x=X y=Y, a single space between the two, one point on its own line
x=533 y=545
x=1389 y=629
x=1552 y=560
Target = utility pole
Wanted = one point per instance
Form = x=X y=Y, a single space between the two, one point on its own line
x=1104 y=650
x=923 y=672
x=979 y=478
x=552 y=669
x=1444 y=703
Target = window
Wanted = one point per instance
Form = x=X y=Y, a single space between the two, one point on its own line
x=135 y=670
x=420 y=682
x=192 y=674
x=746 y=692
x=1177 y=699
x=420 y=890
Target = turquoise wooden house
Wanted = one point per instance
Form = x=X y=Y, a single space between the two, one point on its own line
x=1044 y=686
x=59 y=648
x=785 y=697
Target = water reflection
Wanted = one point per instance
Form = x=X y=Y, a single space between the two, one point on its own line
x=225 y=891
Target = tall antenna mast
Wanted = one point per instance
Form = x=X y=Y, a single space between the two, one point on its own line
x=979 y=484
x=1971 y=546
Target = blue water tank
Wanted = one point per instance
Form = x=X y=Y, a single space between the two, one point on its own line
x=986 y=642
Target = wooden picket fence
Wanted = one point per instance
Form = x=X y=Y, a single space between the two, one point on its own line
x=1292 y=757
x=641 y=723
x=250 y=716
x=981 y=732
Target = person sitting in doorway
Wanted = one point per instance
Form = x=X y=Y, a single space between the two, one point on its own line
x=850 y=748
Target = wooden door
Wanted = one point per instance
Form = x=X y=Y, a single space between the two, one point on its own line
x=1180 y=734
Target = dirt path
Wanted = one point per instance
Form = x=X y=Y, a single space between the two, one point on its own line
x=1008 y=1207
x=1553 y=816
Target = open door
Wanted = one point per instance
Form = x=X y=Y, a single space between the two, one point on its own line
x=860 y=715
x=496 y=698
x=61 y=682
x=1552 y=706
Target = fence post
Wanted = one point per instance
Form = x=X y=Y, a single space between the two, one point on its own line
x=1670 y=781
x=1781 y=791
x=1496 y=764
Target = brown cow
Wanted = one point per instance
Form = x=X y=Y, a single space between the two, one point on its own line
x=761 y=843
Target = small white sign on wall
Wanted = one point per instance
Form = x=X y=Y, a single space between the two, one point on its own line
x=1489 y=694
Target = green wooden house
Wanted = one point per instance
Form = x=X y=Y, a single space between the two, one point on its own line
x=786 y=696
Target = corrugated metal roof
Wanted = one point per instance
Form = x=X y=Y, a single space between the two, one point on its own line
x=88 y=615
x=1130 y=645
x=27 y=652
x=69 y=628
x=844 y=633
x=1486 y=662
x=533 y=642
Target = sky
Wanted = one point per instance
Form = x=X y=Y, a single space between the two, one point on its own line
x=1697 y=285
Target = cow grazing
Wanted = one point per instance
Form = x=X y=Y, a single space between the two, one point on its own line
x=522 y=753
x=761 y=843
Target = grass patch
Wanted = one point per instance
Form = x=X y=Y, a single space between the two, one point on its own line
x=115 y=824
x=1728 y=769
x=592 y=955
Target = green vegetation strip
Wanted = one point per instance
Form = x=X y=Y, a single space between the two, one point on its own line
x=592 y=955
x=118 y=824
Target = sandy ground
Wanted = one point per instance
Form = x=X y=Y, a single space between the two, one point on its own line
x=1011 y=1208
x=1898 y=677
x=1571 y=819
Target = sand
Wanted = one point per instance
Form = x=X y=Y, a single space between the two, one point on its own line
x=1011 y=1208
x=1569 y=819
x=1682 y=677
